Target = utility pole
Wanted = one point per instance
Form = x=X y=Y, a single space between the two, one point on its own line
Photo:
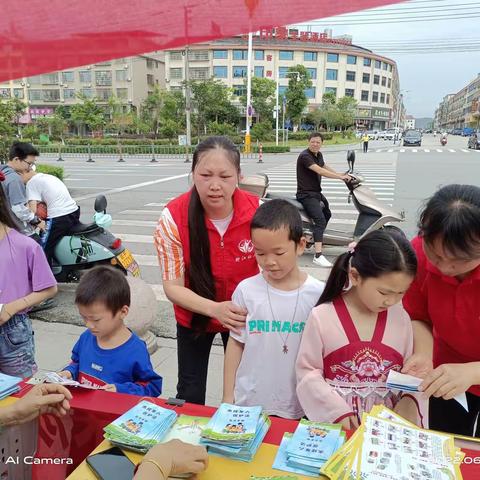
x=187 y=102
x=249 y=93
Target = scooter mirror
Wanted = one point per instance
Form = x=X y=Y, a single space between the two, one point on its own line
x=350 y=160
x=100 y=204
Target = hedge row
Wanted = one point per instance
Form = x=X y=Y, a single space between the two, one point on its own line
x=51 y=170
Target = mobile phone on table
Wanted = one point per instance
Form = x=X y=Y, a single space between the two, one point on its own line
x=111 y=464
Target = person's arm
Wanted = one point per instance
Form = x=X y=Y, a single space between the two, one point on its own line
x=318 y=399
x=42 y=398
x=72 y=369
x=32 y=205
x=233 y=356
x=328 y=172
x=407 y=407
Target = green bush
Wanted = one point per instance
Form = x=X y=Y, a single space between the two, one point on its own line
x=302 y=135
x=262 y=131
x=51 y=170
x=272 y=149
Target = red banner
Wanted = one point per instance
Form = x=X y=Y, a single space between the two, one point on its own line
x=38 y=36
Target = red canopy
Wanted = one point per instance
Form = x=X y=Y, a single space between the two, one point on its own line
x=38 y=36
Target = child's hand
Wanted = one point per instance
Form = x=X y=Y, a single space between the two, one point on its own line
x=5 y=316
x=66 y=374
x=228 y=399
x=110 y=387
x=418 y=365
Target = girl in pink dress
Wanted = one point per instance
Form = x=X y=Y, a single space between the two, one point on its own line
x=358 y=332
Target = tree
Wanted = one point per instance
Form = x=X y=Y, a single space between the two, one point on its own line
x=119 y=119
x=263 y=98
x=10 y=112
x=347 y=107
x=328 y=113
x=212 y=102
x=88 y=113
x=299 y=81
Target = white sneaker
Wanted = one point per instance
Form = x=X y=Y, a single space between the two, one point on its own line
x=322 y=261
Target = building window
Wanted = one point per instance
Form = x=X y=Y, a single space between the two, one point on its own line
x=18 y=93
x=259 y=54
x=150 y=79
x=199 y=73
x=331 y=90
x=50 y=79
x=389 y=82
x=285 y=55
x=220 y=72
x=37 y=80
x=121 y=75
x=385 y=66
x=375 y=97
x=51 y=95
x=103 y=94
x=4 y=93
x=240 y=54
x=258 y=72
x=150 y=63
x=282 y=72
x=87 y=92
x=382 y=98
x=310 y=56
x=332 y=74
x=310 y=92
x=349 y=92
x=364 y=97
x=281 y=90
x=367 y=62
x=378 y=64
x=350 y=76
x=366 y=78
x=220 y=54
x=390 y=67
x=103 y=78
x=35 y=95
x=376 y=79
x=122 y=93
x=175 y=73
x=312 y=72
x=176 y=55
x=351 y=59
x=332 y=57
x=384 y=81
x=239 y=90
x=388 y=99
x=69 y=94
x=85 y=76
x=239 y=72
x=68 y=77
x=198 y=55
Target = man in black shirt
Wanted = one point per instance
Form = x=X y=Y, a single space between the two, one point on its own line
x=310 y=169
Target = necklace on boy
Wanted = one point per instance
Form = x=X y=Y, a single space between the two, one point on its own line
x=284 y=340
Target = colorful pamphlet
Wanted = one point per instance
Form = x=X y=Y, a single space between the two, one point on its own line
x=8 y=385
x=54 y=377
x=141 y=427
x=188 y=429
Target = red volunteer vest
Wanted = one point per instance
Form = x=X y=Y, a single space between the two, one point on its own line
x=232 y=258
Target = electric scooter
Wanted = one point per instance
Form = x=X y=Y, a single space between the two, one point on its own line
x=373 y=214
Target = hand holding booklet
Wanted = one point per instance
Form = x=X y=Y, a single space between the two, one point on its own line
x=409 y=383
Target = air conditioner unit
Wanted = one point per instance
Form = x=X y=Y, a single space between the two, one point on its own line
x=89 y=67
x=129 y=79
x=89 y=85
x=126 y=65
x=22 y=84
x=28 y=85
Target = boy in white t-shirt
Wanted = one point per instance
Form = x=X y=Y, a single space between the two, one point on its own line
x=62 y=210
x=260 y=360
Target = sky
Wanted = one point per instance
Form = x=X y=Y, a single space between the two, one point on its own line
x=427 y=77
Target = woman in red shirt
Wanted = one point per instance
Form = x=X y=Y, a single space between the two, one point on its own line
x=444 y=302
x=205 y=251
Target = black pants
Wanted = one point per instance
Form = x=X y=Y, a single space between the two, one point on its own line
x=365 y=147
x=193 y=352
x=56 y=228
x=450 y=416
x=320 y=214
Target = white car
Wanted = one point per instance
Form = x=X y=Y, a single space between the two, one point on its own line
x=372 y=135
x=389 y=135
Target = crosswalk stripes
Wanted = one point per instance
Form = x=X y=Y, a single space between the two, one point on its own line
x=420 y=150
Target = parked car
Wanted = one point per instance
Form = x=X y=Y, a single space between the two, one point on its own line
x=474 y=141
x=457 y=131
x=389 y=134
x=381 y=134
x=372 y=134
x=412 y=138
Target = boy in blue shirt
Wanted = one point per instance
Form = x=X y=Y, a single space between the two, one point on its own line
x=108 y=355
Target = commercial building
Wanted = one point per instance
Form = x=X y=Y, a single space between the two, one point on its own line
x=409 y=122
x=129 y=79
x=461 y=109
x=335 y=65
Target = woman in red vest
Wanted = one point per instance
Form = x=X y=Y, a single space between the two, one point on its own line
x=204 y=249
x=444 y=302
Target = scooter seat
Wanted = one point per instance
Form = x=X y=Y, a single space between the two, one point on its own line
x=291 y=200
x=80 y=228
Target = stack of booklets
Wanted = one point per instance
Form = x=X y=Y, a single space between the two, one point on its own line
x=307 y=450
x=235 y=432
x=388 y=447
x=141 y=427
x=8 y=385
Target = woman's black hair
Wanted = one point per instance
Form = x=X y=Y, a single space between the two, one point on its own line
x=377 y=253
x=277 y=214
x=6 y=217
x=200 y=276
x=452 y=215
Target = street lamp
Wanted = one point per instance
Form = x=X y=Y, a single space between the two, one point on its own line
x=397 y=117
x=185 y=53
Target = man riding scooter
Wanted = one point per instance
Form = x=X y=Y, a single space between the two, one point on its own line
x=443 y=139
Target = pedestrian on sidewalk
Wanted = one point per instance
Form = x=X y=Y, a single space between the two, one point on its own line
x=25 y=280
x=365 y=139
x=311 y=167
x=205 y=250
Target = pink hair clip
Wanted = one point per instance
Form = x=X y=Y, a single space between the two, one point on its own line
x=351 y=247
